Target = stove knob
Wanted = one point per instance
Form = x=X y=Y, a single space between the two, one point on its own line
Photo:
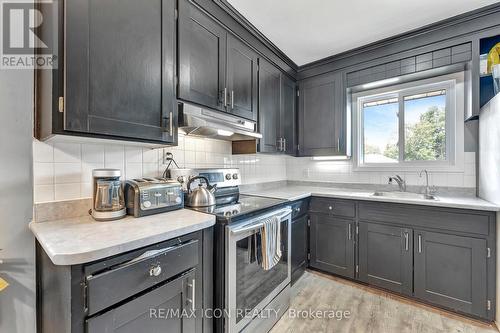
x=181 y=179
x=147 y=204
x=228 y=213
x=235 y=176
x=228 y=176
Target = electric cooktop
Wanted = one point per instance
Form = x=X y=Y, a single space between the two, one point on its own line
x=246 y=206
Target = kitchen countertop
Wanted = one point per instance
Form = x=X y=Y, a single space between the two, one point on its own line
x=296 y=192
x=82 y=239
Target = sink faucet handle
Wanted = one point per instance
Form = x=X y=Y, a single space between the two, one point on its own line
x=432 y=190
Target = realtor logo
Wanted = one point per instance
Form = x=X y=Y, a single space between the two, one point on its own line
x=22 y=46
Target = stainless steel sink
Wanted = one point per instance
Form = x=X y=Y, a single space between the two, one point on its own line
x=404 y=195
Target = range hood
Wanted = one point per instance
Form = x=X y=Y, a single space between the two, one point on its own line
x=200 y=122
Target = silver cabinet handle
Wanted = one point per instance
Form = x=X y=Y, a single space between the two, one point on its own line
x=193 y=295
x=280 y=144
x=171 y=123
x=232 y=99
x=406 y=241
x=297 y=209
x=349 y=234
x=338 y=144
x=284 y=144
x=419 y=243
x=155 y=271
x=225 y=97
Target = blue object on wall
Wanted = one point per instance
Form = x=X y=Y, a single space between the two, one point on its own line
x=486 y=88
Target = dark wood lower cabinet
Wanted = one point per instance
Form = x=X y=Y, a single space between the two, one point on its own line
x=299 y=247
x=451 y=271
x=164 y=309
x=441 y=256
x=152 y=289
x=332 y=244
x=386 y=257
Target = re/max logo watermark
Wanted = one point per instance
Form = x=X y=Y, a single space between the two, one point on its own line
x=22 y=23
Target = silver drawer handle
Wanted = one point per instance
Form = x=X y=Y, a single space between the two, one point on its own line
x=406 y=241
x=155 y=271
x=419 y=243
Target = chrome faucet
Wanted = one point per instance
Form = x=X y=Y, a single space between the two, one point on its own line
x=400 y=181
x=429 y=190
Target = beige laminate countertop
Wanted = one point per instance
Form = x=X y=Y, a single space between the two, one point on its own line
x=80 y=240
x=296 y=192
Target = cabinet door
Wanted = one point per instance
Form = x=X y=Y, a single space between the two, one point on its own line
x=269 y=106
x=386 y=257
x=299 y=247
x=321 y=116
x=155 y=311
x=120 y=68
x=202 y=58
x=332 y=244
x=241 y=79
x=451 y=271
x=288 y=115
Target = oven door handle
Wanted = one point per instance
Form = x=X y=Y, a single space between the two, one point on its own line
x=259 y=225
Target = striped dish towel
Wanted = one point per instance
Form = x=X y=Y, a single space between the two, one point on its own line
x=270 y=234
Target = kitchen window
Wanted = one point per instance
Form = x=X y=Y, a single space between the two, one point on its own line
x=410 y=126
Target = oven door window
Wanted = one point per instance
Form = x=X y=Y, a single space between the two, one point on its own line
x=253 y=283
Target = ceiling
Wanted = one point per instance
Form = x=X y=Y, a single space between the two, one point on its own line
x=309 y=30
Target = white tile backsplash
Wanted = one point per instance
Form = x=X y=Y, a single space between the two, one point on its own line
x=67 y=152
x=305 y=168
x=67 y=191
x=63 y=171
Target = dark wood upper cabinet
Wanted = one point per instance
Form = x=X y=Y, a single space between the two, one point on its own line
x=216 y=69
x=322 y=115
x=202 y=58
x=288 y=115
x=277 y=97
x=269 y=107
x=242 y=63
x=119 y=78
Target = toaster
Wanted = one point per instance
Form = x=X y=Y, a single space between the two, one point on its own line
x=147 y=196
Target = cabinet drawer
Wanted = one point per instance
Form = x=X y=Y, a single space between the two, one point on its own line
x=299 y=208
x=133 y=276
x=337 y=207
x=142 y=313
x=427 y=217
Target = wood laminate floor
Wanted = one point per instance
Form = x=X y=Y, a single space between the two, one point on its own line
x=371 y=310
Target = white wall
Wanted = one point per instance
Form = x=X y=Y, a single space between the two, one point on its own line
x=63 y=171
x=17 y=302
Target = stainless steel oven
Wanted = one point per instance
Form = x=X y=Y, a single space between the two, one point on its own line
x=251 y=290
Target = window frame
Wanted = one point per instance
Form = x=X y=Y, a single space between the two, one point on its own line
x=454 y=86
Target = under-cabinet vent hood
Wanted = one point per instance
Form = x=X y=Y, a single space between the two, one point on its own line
x=197 y=121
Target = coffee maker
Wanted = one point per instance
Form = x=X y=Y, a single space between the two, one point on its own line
x=108 y=201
